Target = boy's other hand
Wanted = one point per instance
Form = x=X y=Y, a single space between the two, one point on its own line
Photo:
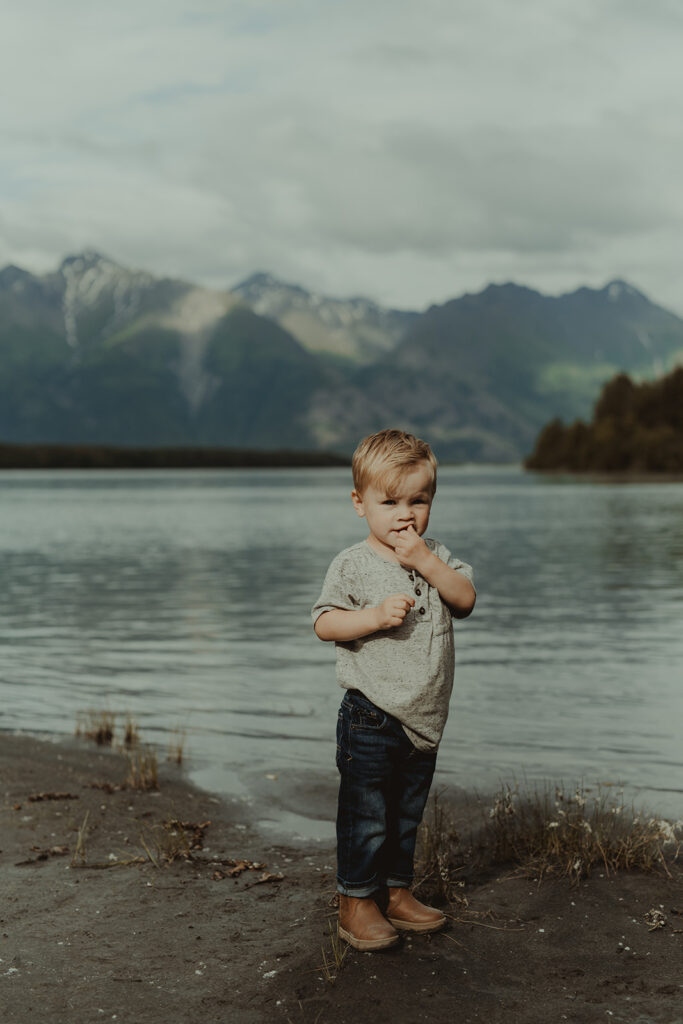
x=410 y=549
x=393 y=610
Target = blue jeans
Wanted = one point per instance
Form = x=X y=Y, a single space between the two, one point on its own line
x=383 y=789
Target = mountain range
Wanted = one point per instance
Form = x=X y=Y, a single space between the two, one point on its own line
x=97 y=353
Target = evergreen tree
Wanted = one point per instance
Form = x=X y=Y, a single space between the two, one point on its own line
x=635 y=428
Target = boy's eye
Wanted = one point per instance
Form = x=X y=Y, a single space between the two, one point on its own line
x=388 y=501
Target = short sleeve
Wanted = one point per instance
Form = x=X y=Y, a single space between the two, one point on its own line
x=445 y=555
x=341 y=589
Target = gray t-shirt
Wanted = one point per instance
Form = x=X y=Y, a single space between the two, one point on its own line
x=407 y=671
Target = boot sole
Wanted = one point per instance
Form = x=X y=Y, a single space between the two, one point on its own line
x=415 y=926
x=366 y=944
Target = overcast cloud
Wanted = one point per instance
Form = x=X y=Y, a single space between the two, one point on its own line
x=404 y=151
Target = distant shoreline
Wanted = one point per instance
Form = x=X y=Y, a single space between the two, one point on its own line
x=58 y=456
x=588 y=476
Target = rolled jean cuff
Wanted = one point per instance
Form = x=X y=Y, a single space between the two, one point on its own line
x=361 y=890
x=395 y=882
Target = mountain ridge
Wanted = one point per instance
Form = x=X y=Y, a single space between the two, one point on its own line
x=356 y=328
x=96 y=352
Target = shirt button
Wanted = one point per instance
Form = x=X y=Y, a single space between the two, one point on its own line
x=418 y=592
x=422 y=611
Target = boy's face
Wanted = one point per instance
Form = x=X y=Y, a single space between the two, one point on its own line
x=388 y=513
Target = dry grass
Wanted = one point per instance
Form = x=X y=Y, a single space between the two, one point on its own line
x=176 y=748
x=441 y=858
x=100 y=726
x=167 y=843
x=555 y=832
x=333 y=959
x=96 y=725
x=161 y=844
x=546 y=832
x=79 y=855
x=143 y=769
x=142 y=760
x=131 y=733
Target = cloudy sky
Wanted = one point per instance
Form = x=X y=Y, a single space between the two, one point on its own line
x=406 y=151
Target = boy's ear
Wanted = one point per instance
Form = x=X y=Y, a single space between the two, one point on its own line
x=358 y=503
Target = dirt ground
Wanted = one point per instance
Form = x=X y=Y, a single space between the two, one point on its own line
x=96 y=930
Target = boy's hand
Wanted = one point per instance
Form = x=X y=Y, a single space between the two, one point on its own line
x=393 y=610
x=411 y=550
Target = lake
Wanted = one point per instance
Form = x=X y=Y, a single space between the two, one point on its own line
x=183 y=597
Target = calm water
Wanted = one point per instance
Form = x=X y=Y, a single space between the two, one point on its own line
x=184 y=598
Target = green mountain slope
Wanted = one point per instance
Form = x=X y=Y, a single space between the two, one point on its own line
x=481 y=374
x=263 y=381
x=98 y=353
x=116 y=357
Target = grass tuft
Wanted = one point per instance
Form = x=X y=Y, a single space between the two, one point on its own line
x=79 y=856
x=545 y=832
x=441 y=859
x=172 y=841
x=96 y=725
x=143 y=769
x=131 y=733
x=554 y=832
x=333 y=958
x=176 y=748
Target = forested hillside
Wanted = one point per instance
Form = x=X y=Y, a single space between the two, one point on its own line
x=636 y=428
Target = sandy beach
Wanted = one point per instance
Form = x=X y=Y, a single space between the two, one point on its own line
x=130 y=919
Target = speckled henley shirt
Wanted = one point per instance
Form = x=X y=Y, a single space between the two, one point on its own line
x=408 y=670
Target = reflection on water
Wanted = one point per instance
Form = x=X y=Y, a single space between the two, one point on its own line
x=184 y=598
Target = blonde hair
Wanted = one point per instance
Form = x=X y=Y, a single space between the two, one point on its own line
x=382 y=458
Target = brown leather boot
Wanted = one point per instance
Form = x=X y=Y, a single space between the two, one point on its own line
x=408 y=914
x=362 y=924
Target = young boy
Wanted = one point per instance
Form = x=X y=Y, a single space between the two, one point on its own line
x=387 y=603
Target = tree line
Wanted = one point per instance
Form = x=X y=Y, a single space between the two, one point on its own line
x=58 y=456
x=636 y=428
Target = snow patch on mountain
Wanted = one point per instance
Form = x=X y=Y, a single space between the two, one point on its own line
x=194 y=315
x=356 y=328
x=91 y=280
x=617 y=290
x=272 y=298
x=197 y=309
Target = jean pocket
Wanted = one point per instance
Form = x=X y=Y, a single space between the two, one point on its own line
x=368 y=719
x=343 y=757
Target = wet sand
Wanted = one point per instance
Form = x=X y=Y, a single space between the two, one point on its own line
x=200 y=939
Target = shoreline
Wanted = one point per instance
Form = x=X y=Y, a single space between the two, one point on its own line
x=102 y=456
x=117 y=937
x=594 y=476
